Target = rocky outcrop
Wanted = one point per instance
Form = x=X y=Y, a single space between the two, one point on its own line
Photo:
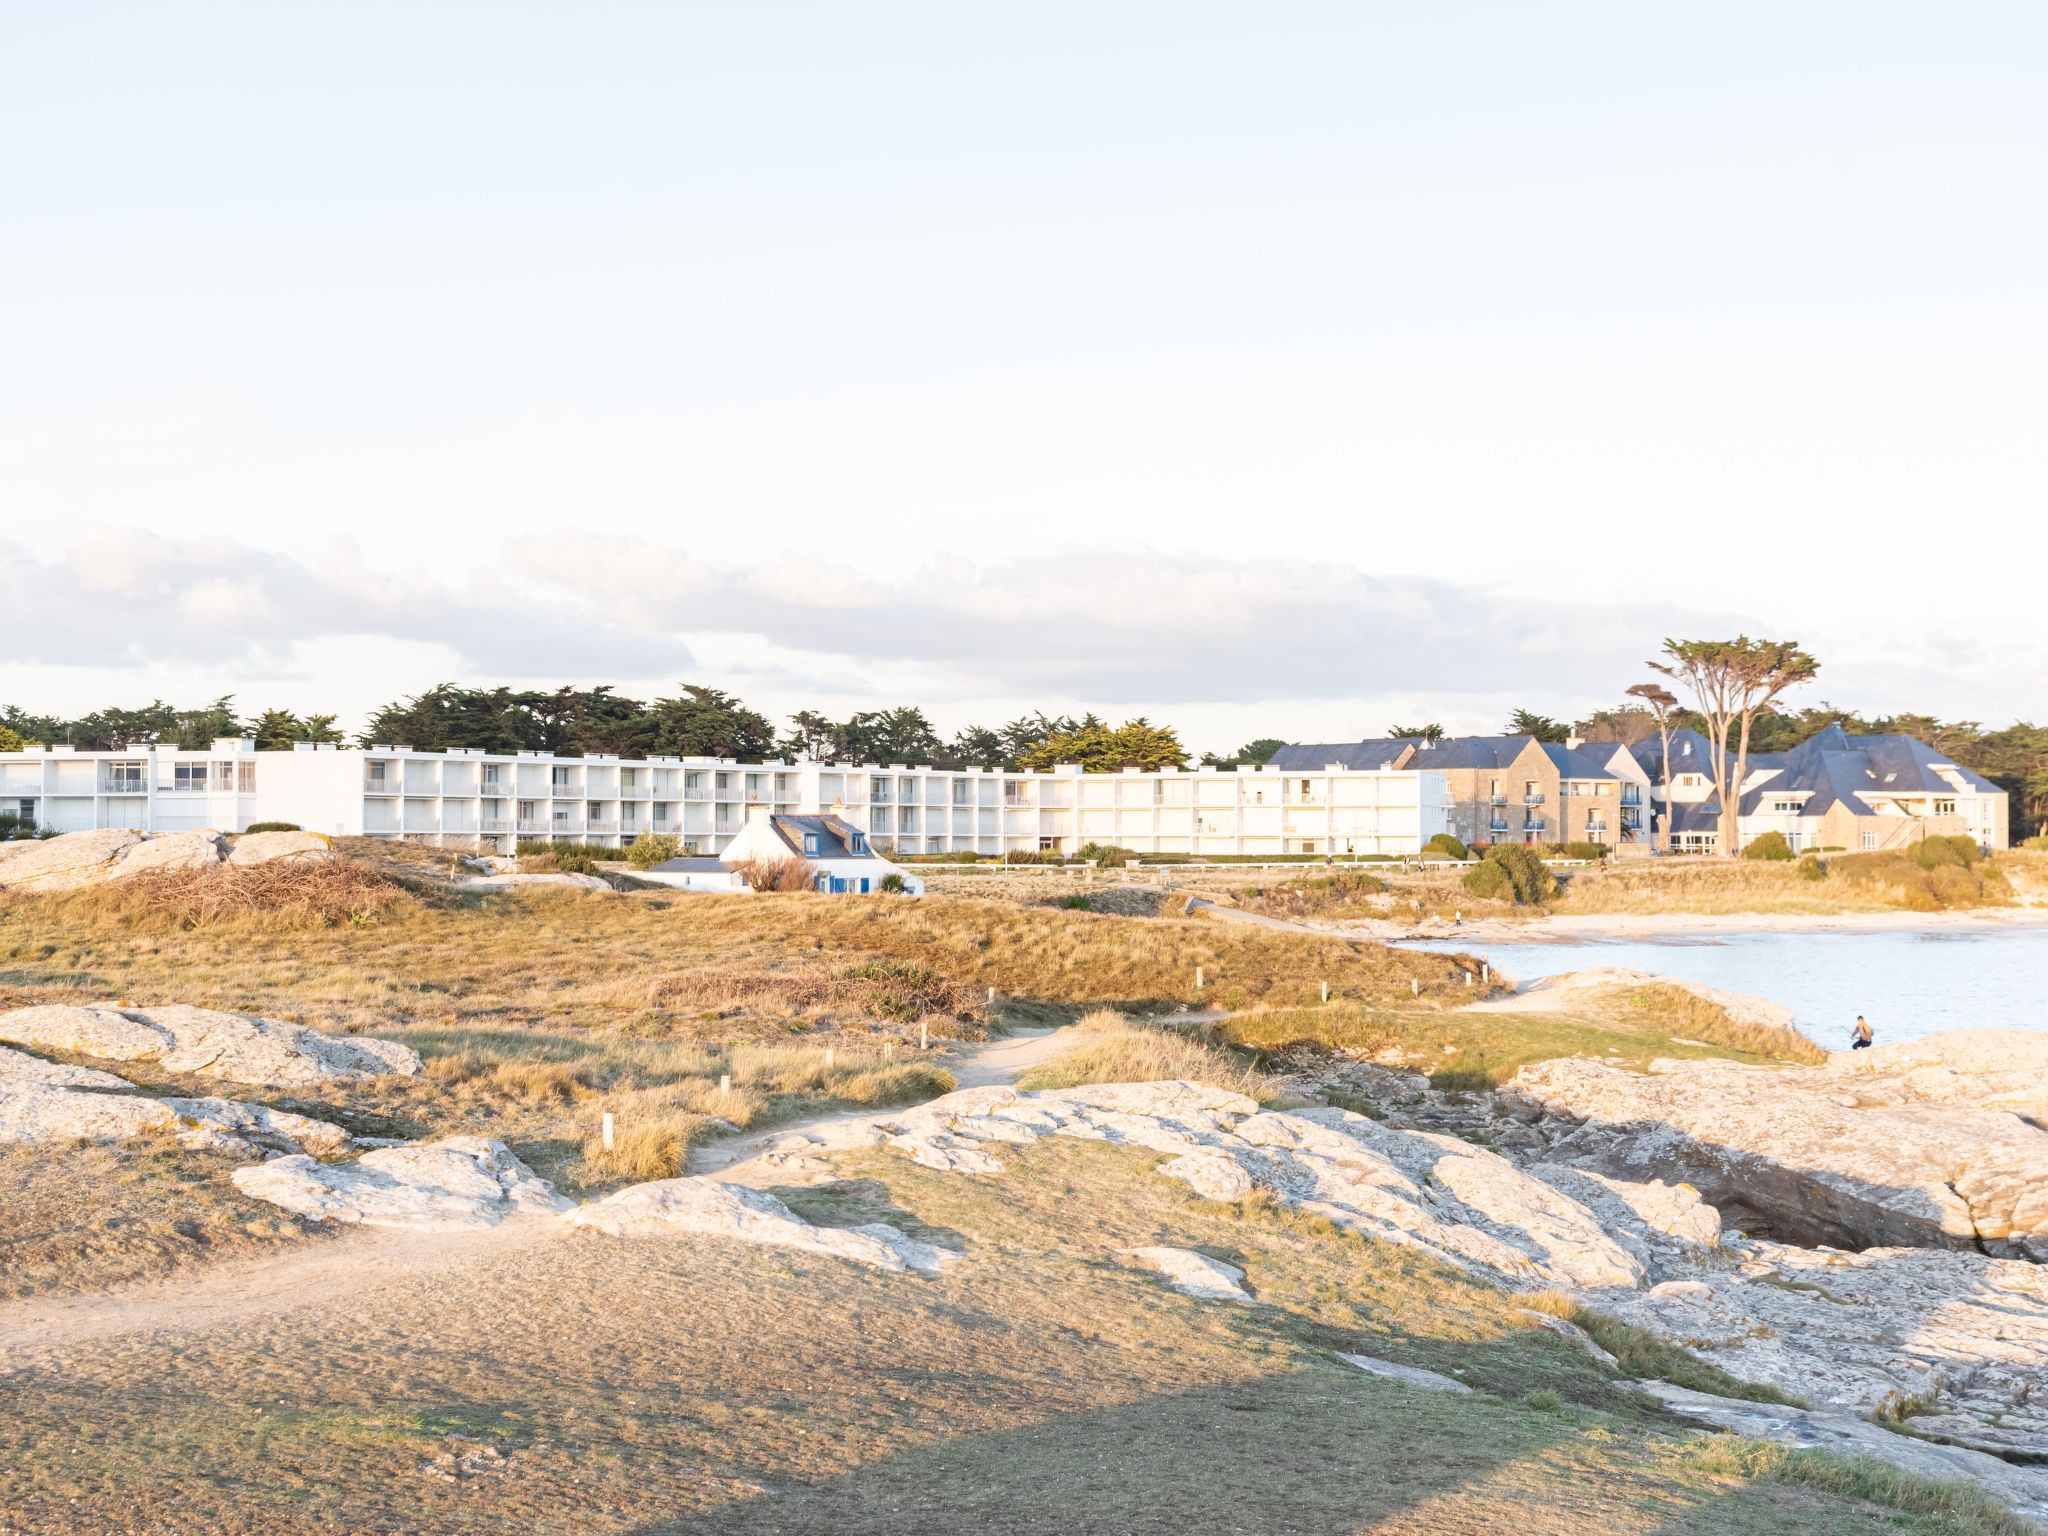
x=2020 y=1488
x=1844 y=1156
x=85 y=858
x=1192 y=1273
x=241 y=1047
x=460 y=1182
x=708 y=1208
x=20 y=1067
x=62 y=863
x=1459 y=1202
x=1957 y=1340
x=1407 y=1375
x=2002 y=1069
x=172 y=851
x=36 y=1108
x=280 y=847
x=518 y=882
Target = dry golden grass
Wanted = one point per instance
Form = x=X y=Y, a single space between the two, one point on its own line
x=1857 y=882
x=1675 y=1011
x=1113 y=1049
x=280 y=896
x=1042 y=1385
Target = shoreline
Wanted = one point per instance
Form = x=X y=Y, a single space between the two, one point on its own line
x=1678 y=927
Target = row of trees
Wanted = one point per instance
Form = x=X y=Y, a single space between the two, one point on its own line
x=693 y=722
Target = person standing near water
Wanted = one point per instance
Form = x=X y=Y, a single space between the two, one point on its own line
x=1860 y=1037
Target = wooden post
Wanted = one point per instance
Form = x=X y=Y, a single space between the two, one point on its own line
x=1326 y=991
x=1485 y=972
x=610 y=1131
x=828 y=1056
x=991 y=997
x=725 y=1082
x=1198 y=978
x=1468 y=977
x=924 y=1036
x=1414 y=986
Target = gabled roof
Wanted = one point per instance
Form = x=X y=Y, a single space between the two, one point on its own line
x=1691 y=752
x=1484 y=752
x=1832 y=767
x=691 y=864
x=835 y=837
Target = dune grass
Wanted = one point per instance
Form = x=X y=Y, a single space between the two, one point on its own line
x=1852 y=882
x=1110 y=1048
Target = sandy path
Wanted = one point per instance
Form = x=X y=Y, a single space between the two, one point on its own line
x=332 y=1272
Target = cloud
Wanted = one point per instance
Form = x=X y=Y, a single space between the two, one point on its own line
x=1107 y=626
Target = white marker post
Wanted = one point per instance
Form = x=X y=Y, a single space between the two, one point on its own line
x=725 y=1082
x=924 y=1037
x=610 y=1131
x=1326 y=991
x=1198 y=978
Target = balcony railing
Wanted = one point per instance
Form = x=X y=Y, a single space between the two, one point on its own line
x=1596 y=826
x=1496 y=799
x=380 y=786
x=696 y=792
x=494 y=824
x=1532 y=799
x=1497 y=826
x=529 y=825
x=1536 y=825
x=123 y=787
x=600 y=824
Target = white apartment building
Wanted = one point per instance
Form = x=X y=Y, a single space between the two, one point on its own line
x=474 y=799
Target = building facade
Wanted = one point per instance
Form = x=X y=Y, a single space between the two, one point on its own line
x=1501 y=789
x=490 y=801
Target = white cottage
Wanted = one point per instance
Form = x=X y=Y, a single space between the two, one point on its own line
x=840 y=854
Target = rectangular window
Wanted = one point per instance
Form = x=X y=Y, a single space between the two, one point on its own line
x=857 y=843
x=811 y=843
x=189 y=776
x=245 y=778
x=1944 y=807
x=121 y=776
x=1869 y=841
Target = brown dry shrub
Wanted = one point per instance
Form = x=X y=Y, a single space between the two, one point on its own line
x=880 y=989
x=284 y=894
x=779 y=875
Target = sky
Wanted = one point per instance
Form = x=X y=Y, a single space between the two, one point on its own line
x=1288 y=370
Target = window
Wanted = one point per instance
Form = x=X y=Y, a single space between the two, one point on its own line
x=245 y=778
x=811 y=843
x=192 y=776
x=1048 y=844
x=124 y=776
x=857 y=844
x=490 y=776
x=1869 y=841
x=628 y=778
x=1944 y=807
x=1785 y=805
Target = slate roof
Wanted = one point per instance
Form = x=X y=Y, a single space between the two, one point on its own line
x=1829 y=768
x=692 y=864
x=1485 y=752
x=832 y=834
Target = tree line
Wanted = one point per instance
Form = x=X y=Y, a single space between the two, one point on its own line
x=692 y=722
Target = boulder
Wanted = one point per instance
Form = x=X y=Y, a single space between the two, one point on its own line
x=63 y=863
x=34 y=1109
x=1815 y=1155
x=172 y=851
x=1192 y=1273
x=275 y=847
x=20 y=1067
x=239 y=1046
x=709 y=1208
x=460 y=1182
x=2022 y=1489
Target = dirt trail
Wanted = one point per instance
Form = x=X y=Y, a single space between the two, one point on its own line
x=329 y=1271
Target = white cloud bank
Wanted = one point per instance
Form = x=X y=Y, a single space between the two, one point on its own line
x=1287 y=645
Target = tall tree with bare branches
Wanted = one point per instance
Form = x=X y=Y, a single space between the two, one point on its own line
x=1731 y=682
x=1661 y=701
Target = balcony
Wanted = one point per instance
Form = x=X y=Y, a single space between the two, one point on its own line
x=380 y=786
x=600 y=824
x=1496 y=799
x=489 y=824
x=536 y=828
x=696 y=792
x=1631 y=796
x=123 y=787
x=566 y=791
x=1532 y=799
x=1535 y=825
x=1497 y=827
x=1597 y=828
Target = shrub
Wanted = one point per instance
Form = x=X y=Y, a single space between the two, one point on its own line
x=1489 y=881
x=1075 y=904
x=273 y=826
x=891 y=884
x=2036 y=844
x=1511 y=872
x=1109 y=1048
x=13 y=826
x=565 y=858
x=1591 y=852
x=1771 y=846
x=1108 y=855
x=1446 y=845
x=1937 y=852
x=1811 y=868
x=657 y=848
x=777 y=874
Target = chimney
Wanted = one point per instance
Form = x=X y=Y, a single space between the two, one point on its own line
x=1573 y=743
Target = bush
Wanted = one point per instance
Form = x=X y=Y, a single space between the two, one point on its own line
x=658 y=848
x=1511 y=872
x=2036 y=844
x=1937 y=852
x=273 y=826
x=891 y=884
x=13 y=826
x=1489 y=881
x=1108 y=855
x=1811 y=868
x=1446 y=845
x=1771 y=847
x=1075 y=904
x=1591 y=852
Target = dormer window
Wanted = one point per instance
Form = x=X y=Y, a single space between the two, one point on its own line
x=857 y=844
x=811 y=844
